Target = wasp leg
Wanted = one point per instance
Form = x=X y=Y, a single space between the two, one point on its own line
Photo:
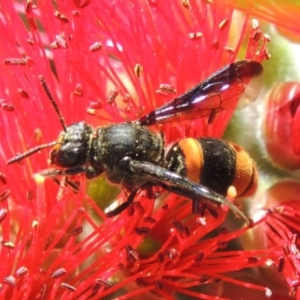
x=92 y=172
x=196 y=201
x=89 y=172
x=178 y=183
x=122 y=206
x=62 y=172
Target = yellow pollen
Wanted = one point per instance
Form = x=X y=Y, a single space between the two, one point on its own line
x=39 y=179
x=34 y=224
x=231 y=192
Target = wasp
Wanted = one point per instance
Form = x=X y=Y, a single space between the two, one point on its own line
x=134 y=156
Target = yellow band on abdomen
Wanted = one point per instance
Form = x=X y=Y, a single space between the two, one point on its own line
x=193 y=155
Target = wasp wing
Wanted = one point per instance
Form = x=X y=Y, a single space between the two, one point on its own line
x=220 y=91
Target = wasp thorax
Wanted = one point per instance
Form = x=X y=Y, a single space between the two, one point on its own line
x=73 y=146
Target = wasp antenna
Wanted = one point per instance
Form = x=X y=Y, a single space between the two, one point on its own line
x=31 y=151
x=47 y=90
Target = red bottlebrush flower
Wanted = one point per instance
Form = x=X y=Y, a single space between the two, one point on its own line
x=105 y=64
x=281 y=125
x=283 y=14
x=280 y=226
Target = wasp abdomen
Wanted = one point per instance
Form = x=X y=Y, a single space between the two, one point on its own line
x=215 y=164
x=246 y=177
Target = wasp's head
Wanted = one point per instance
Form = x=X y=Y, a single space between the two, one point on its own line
x=73 y=146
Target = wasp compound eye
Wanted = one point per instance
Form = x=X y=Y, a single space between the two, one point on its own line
x=66 y=158
x=73 y=147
